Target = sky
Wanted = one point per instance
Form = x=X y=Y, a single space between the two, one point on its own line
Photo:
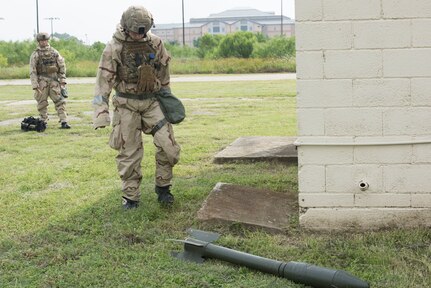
x=96 y=20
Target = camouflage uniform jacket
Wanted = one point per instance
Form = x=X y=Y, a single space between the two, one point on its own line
x=48 y=63
x=118 y=64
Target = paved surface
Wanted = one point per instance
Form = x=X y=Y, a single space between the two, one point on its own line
x=255 y=208
x=179 y=78
x=259 y=148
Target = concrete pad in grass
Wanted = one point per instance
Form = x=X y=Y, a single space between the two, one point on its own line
x=258 y=208
x=259 y=148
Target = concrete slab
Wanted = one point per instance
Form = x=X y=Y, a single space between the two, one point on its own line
x=258 y=208
x=259 y=148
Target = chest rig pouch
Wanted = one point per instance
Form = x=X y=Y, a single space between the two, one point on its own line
x=47 y=63
x=139 y=65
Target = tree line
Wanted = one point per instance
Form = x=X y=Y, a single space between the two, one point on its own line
x=235 y=45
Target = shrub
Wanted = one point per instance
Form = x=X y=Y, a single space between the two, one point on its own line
x=239 y=44
x=277 y=47
x=3 y=61
x=177 y=51
x=207 y=45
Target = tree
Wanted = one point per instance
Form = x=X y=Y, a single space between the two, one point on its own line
x=277 y=47
x=3 y=61
x=239 y=44
x=207 y=45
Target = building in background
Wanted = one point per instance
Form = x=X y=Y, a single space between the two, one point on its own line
x=229 y=21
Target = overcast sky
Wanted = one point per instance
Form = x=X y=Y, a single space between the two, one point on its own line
x=95 y=20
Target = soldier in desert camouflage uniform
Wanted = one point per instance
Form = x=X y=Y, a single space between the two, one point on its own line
x=48 y=78
x=135 y=64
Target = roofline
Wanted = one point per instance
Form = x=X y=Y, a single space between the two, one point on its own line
x=223 y=19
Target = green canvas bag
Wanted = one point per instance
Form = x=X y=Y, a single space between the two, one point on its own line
x=171 y=106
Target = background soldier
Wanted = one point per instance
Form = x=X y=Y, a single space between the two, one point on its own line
x=48 y=78
x=136 y=64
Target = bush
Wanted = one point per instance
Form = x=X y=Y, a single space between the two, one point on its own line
x=3 y=61
x=207 y=45
x=177 y=51
x=17 y=53
x=239 y=45
x=72 y=49
x=277 y=47
x=269 y=55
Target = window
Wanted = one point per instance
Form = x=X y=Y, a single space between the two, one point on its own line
x=216 y=27
x=243 y=25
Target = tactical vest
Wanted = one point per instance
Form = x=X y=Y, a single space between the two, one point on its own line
x=47 y=61
x=133 y=55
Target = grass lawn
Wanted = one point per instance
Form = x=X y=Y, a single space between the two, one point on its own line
x=62 y=224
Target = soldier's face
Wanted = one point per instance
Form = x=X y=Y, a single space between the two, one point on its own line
x=43 y=43
x=136 y=36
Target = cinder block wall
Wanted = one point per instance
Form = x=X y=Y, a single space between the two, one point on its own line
x=364 y=113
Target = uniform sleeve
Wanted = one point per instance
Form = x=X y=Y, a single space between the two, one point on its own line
x=106 y=75
x=164 y=74
x=105 y=80
x=61 y=68
x=33 y=71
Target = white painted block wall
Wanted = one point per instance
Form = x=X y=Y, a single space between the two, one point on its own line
x=364 y=113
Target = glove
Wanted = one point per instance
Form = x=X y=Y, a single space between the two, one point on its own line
x=64 y=92
x=147 y=79
x=101 y=119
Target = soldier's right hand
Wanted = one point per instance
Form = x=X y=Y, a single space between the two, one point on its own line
x=101 y=119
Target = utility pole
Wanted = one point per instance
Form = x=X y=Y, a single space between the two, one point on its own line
x=281 y=18
x=37 y=16
x=52 y=26
x=184 y=36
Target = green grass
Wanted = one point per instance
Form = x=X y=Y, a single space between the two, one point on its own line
x=62 y=225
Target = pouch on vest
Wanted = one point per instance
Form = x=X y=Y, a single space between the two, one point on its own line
x=146 y=78
x=51 y=69
x=171 y=106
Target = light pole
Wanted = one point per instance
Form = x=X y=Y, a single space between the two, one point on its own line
x=281 y=18
x=52 y=26
x=37 y=16
x=184 y=36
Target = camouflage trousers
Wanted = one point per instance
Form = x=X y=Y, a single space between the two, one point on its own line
x=132 y=118
x=50 y=88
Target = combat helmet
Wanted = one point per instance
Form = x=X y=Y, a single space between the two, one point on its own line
x=42 y=36
x=137 y=19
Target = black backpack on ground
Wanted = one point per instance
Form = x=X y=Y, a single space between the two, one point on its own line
x=33 y=124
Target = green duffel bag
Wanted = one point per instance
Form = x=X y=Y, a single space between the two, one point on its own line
x=171 y=106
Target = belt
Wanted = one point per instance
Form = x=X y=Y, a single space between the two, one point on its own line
x=144 y=96
x=48 y=76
